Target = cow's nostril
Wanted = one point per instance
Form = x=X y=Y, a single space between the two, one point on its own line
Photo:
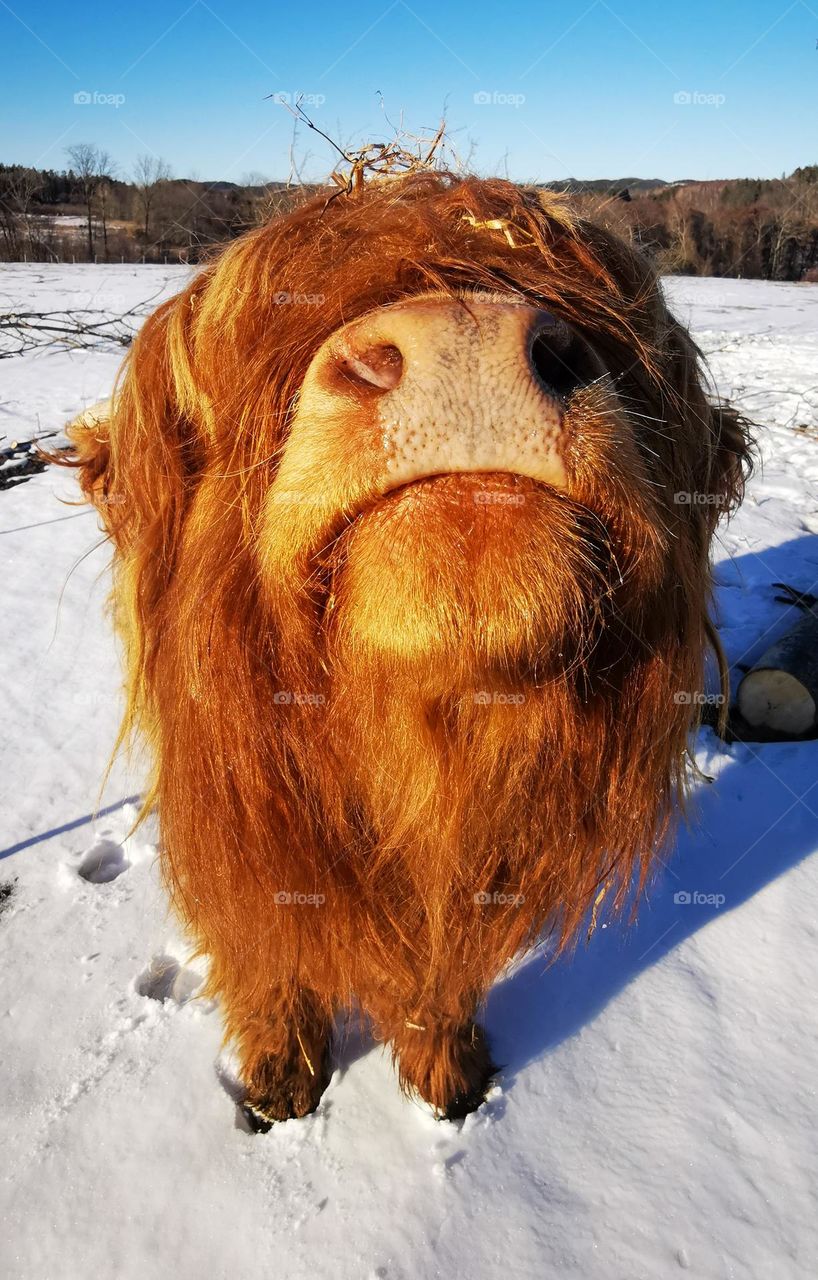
x=562 y=361
x=379 y=366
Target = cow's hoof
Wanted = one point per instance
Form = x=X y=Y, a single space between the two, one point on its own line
x=462 y=1104
x=451 y=1068
x=284 y=1091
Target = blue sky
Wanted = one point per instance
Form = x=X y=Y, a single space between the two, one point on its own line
x=538 y=90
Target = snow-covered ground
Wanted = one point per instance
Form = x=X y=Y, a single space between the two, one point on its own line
x=656 y=1113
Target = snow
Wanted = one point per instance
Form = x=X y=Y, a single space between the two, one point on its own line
x=656 y=1113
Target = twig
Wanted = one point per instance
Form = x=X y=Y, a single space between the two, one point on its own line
x=376 y=161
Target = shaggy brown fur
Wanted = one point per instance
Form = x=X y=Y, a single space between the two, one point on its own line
x=438 y=833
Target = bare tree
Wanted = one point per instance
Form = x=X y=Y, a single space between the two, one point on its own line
x=784 y=229
x=106 y=168
x=21 y=231
x=84 y=159
x=149 y=174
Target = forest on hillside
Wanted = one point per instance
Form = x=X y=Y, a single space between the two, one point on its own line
x=764 y=229
x=760 y=228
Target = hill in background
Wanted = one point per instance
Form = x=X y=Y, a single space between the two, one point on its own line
x=761 y=228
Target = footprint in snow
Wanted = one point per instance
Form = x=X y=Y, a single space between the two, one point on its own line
x=103 y=862
x=166 y=979
x=6 y=893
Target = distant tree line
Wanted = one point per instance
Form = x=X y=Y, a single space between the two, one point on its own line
x=764 y=229
x=89 y=211
x=761 y=228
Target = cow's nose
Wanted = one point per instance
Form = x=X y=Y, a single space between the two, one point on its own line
x=371 y=353
x=478 y=385
x=374 y=365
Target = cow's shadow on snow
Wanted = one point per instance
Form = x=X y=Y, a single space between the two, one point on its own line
x=759 y=818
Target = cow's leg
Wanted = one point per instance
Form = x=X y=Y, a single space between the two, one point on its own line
x=284 y=1049
x=444 y=1058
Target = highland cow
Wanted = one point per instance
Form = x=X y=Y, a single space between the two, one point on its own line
x=412 y=578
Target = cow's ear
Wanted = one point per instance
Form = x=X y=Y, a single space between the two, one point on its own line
x=137 y=454
x=721 y=449
x=139 y=460
x=90 y=438
x=733 y=453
